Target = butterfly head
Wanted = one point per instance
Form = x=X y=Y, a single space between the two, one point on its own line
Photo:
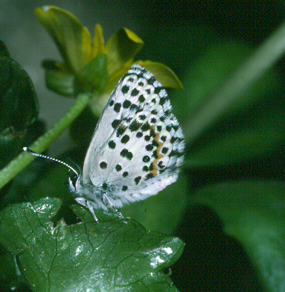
x=73 y=180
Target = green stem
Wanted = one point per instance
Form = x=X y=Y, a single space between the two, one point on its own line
x=249 y=72
x=22 y=160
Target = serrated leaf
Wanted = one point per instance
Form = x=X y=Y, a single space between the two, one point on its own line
x=114 y=255
x=254 y=213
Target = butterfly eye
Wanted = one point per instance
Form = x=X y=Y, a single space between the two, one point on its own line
x=72 y=178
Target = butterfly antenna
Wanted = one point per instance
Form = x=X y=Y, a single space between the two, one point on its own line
x=26 y=149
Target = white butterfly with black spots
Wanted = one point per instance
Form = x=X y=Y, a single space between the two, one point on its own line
x=136 y=149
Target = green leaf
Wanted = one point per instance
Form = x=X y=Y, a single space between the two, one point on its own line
x=162 y=212
x=3 y=50
x=244 y=130
x=10 y=278
x=18 y=102
x=114 y=255
x=18 y=106
x=254 y=213
x=241 y=137
x=211 y=69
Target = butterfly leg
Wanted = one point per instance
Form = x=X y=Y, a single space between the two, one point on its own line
x=90 y=207
x=108 y=203
x=119 y=214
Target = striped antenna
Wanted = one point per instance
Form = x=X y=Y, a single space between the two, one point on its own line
x=26 y=149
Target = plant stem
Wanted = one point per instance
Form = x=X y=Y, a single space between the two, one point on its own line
x=23 y=159
x=250 y=71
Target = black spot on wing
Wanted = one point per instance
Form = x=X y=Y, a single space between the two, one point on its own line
x=164 y=150
x=134 y=92
x=125 y=89
x=126 y=103
x=126 y=154
x=125 y=139
x=121 y=131
x=117 y=107
x=137 y=179
x=168 y=128
x=145 y=168
x=149 y=147
x=103 y=165
x=115 y=124
x=145 y=127
x=153 y=120
x=112 y=144
x=118 y=167
x=139 y=134
x=141 y=98
x=134 y=126
x=173 y=139
x=150 y=175
x=146 y=159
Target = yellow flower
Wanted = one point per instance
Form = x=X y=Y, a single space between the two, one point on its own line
x=92 y=66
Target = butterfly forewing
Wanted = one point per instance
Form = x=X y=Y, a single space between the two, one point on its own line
x=138 y=145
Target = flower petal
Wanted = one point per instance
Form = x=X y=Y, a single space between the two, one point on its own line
x=121 y=48
x=71 y=37
x=98 y=43
x=163 y=74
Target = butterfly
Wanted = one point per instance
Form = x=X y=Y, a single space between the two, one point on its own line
x=137 y=147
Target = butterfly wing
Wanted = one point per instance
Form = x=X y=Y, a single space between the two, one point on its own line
x=138 y=145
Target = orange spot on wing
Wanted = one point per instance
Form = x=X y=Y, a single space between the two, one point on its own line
x=154 y=170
